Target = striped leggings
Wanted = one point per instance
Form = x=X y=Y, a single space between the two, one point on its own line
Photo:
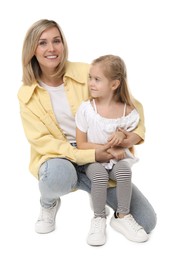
x=99 y=176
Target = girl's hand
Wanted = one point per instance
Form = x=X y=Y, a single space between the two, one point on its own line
x=116 y=138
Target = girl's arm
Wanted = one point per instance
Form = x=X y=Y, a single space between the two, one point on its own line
x=101 y=151
x=82 y=143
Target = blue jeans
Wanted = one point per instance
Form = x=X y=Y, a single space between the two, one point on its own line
x=58 y=177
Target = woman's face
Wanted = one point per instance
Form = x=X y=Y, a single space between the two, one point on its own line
x=50 y=49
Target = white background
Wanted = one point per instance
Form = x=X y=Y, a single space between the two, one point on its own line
x=146 y=34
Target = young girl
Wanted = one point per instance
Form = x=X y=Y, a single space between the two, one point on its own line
x=102 y=121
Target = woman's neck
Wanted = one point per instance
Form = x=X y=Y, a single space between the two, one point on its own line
x=50 y=81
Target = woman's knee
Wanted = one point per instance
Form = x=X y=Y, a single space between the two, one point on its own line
x=58 y=174
x=142 y=210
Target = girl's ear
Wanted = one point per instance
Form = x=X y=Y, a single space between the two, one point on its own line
x=116 y=84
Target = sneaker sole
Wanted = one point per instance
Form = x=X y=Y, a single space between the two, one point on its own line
x=96 y=243
x=114 y=225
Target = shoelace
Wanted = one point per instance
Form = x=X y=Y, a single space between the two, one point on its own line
x=97 y=225
x=47 y=214
x=131 y=221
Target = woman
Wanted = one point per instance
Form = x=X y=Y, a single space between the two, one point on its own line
x=52 y=90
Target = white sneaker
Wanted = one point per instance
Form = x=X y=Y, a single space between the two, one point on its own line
x=129 y=228
x=46 y=220
x=97 y=233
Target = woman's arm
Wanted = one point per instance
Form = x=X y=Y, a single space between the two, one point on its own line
x=47 y=141
x=137 y=136
x=131 y=139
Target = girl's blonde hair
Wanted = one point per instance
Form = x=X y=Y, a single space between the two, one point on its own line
x=30 y=65
x=114 y=69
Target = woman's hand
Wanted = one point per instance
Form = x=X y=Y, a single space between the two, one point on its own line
x=102 y=154
x=130 y=140
x=117 y=152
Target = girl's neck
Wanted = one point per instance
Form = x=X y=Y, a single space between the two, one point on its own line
x=108 y=108
x=105 y=101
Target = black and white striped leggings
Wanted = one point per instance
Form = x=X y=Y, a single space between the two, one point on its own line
x=99 y=176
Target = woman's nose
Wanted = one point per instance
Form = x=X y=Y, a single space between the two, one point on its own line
x=50 y=47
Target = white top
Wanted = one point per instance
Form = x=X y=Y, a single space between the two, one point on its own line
x=61 y=110
x=99 y=128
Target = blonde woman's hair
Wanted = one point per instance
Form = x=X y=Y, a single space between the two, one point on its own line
x=114 y=68
x=30 y=66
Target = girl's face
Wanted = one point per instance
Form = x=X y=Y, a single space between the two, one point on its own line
x=50 y=49
x=99 y=85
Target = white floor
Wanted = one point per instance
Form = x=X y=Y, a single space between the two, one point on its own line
x=20 y=209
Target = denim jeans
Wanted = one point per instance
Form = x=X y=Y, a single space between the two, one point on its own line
x=58 y=177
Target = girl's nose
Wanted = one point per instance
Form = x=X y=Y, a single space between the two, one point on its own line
x=91 y=82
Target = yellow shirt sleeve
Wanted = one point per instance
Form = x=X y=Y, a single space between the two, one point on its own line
x=140 y=129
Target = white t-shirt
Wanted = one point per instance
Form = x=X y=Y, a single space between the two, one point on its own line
x=99 y=128
x=62 y=110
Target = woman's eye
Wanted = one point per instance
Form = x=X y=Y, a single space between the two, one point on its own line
x=57 y=41
x=42 y=43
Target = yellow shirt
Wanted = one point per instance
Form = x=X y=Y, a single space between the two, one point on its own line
x=41 y=128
